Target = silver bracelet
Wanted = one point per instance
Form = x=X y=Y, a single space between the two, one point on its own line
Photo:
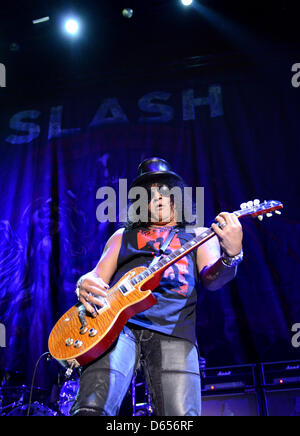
x=232 y=261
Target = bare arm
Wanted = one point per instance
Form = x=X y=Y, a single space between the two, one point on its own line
x=213 y=273
x=95 y=282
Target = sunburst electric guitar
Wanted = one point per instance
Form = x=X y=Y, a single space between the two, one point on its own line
x=78 y=338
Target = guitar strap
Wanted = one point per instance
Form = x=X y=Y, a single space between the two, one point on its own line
x=164 y=247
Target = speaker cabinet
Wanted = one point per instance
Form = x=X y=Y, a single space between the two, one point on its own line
x=231 y=404
x=282 y=402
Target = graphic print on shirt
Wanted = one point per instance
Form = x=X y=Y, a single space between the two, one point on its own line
x=178 y=273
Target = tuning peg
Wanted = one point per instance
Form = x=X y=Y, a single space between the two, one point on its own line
x=278 y=212
x=243 y=206
x=256 y=202
x=260 y=217
x=249 y=203
x=269 y=214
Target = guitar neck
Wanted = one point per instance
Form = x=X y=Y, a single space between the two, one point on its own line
x=249 y=210
x=176 y=255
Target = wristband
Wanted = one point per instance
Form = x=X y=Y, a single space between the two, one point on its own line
x=232 y=261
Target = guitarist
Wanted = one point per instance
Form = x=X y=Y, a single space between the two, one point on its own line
x=161 y=340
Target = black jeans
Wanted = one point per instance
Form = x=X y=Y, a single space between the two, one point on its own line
x=170 y=366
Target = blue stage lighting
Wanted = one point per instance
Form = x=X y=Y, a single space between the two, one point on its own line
x=186 y=2
x=72 y=26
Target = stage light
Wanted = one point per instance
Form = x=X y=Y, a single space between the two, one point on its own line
x=72 y=26
x=40 y=20
x=127 y=13
x=186 y=2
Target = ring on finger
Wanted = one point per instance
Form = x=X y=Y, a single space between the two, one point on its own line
x=223 y=224
x=87 y=297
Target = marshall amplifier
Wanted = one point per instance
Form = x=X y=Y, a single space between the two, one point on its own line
x=281 y=388
x=230 y=391
x=281 y=373
x=238 y=377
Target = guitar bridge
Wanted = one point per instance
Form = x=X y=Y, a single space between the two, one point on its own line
x=103 y=304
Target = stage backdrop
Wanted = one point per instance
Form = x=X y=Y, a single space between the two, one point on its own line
x=236 y=135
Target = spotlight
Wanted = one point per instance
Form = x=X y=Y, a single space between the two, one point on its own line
x=127 y=13
x=72 y=26
x=186 y=2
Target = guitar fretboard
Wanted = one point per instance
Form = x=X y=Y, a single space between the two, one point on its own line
x=173 y=257
x=254 y=210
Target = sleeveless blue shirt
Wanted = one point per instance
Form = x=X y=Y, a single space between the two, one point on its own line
x=175 y=311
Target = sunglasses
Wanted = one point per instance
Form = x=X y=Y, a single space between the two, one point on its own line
x=162 y=189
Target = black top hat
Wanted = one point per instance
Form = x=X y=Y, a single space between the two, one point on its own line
x=153 y=168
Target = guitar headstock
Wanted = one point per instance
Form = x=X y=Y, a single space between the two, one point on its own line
x=257 y=209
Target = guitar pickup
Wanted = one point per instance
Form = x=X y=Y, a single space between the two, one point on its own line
x=102 y=305
x=123 y=289
x=126 y=287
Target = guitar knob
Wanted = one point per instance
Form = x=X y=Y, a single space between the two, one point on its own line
x=278 y=212
x=256 y=202
x=260 y=217
x=69 y=342
x=269 y=214
x=92 y=332
x=249 y=203
x=77 y=344
x=243 y=206
x=83 y=329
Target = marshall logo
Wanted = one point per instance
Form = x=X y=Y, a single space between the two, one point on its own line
x=290 y=368
x=223 y=373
